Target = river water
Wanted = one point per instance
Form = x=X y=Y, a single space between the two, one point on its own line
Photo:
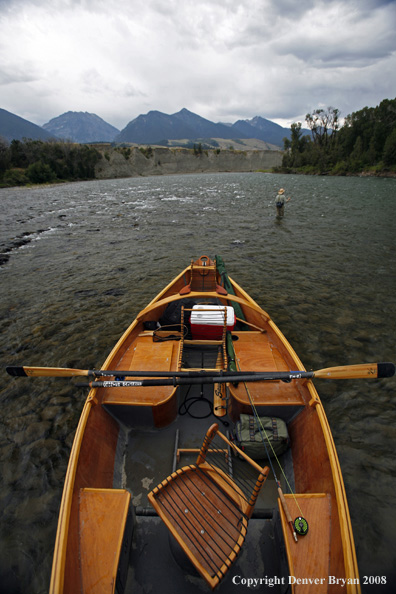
x=81 y=260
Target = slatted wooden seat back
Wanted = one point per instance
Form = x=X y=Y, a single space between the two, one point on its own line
x=206 y=508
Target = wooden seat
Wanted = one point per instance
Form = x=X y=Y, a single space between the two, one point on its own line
x=309 y=558
x=102 y=520
x=253 y=352
x=203 y=277
x=147 y=355
x=206 y=509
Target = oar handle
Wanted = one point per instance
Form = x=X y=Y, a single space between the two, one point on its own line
x=361 y=371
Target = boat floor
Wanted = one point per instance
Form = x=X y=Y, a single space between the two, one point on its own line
x=146 y=456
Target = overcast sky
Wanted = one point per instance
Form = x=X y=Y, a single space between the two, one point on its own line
x=222 y=59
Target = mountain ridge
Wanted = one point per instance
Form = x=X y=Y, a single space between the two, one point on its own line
x=155 y=127
x=81 y=126
x=13 y=127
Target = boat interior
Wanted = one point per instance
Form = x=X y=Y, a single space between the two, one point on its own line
x=146 y=455
x=162 y=429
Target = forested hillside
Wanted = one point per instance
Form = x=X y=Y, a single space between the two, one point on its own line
x=35 y=161
x=365 y=143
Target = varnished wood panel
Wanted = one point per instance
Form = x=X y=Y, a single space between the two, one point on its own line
x=102 y=519
x=254 y=353
x=309 y=558
x=313 y=473
x=144 y=355
x=95 y=469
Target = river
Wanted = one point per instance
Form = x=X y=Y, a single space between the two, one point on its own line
x=79 y=261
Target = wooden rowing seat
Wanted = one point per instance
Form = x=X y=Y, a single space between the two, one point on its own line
x=206 y=509
x=146 y=355
x=203 y=277
x=254 y=352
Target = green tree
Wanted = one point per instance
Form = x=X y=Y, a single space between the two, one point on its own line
x=324 y=125
x=4 y=156
x=40 y=173
x=389 y=156
x=15 y=177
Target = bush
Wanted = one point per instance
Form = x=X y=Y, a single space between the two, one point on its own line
x=15 y=177
x=40 y=173
x=146 y=151
x=340 y=168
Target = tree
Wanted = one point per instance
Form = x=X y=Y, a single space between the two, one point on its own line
x=389 y=156
x=40 y=173
x=295 y=147
x=323 y=125
x=4 y=155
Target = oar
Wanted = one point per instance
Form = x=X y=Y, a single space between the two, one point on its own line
x=363 y=370
x=25 y=371
x=374 y=370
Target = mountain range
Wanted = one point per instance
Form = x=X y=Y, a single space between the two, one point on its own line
x=155 y=127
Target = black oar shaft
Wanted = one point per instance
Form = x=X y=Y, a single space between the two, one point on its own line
x=203 y=373
x=365 y=370
x=205 y=379
x=25 y=371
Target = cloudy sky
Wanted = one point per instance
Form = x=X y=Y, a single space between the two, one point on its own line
x=222 y=59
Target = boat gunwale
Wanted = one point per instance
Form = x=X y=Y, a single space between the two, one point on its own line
x=60 y=549
x=347 y=539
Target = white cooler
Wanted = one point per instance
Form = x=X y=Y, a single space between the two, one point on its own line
x=207 y=321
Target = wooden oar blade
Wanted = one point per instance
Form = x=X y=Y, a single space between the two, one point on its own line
x=361 y=371
x=24 y=371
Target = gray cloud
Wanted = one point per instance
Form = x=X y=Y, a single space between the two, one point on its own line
x=223 y=59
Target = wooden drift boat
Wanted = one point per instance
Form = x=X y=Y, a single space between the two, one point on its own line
x=159 y=495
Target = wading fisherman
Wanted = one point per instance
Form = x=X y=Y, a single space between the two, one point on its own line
x=280 y=202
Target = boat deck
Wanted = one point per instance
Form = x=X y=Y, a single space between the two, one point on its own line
x=147 y=455
x=254 y=351
x=148 y=452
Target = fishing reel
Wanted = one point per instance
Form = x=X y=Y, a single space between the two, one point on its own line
x=300 y=525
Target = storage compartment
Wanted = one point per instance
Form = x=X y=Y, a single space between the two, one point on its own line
x=207 y=321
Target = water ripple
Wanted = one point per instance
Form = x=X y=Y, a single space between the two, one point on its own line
x=92 y=255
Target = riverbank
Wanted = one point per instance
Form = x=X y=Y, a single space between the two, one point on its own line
x=119 y=162
x=333 y=173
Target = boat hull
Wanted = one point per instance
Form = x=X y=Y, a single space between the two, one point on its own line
x=113 y=419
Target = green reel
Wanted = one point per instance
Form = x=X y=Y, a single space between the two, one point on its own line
x=301 y=526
